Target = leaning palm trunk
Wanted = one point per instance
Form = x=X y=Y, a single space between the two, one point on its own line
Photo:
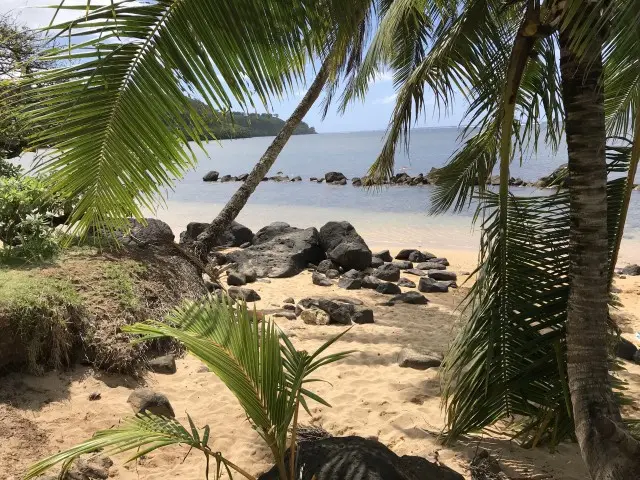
x=239 y=199
x=607 y=449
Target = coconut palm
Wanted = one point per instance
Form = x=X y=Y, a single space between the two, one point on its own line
x=536 y=341
x=255 y=360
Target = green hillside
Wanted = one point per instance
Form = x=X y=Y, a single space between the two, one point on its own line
x=242 y=125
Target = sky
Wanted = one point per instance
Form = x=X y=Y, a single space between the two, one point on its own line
x=372 y=113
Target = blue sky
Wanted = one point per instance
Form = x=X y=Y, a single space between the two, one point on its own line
x=371 y=114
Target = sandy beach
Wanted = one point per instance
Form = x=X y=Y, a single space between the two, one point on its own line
x=371 y=395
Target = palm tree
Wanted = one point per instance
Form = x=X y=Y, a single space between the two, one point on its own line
x=536 y=341
x=255 y=360
x=114 y=109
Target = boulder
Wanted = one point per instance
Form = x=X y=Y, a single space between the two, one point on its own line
x=431 y=266
x=243 y=177
x=344 y=246
x=151 y=232
x=146 y=400
x=632 y=270
x=417 y=257
x=280 y=251
x=429 y=285
x=415 y=271
x=289 y=315
x=405 y=282
x=320 y=280
x=313 y=179
x=234 y=236
x=333 y=274
x=212 y=176
x=387 y=272
x=326 y=265
x=376 y=262
x=558 y=178
x=289 y=306
x=384 y=255
x=441 y=260
x=246 y=294
x=412 y=298
x=297 y=178
x=353 y=273
x=356 y=181
x=388 y=288
x=371 y=282
x=403 y=264
x=236 y=279
x=226 y=178
x=340 y=182
x=90 y=467
x=315 y=316
x=442 y=275
x=280 y=178
x=342 y=458
x=362 y=315
x=339 y=311
x=165 y=364
x=409 y=358
x=332 y=177
x=404 y=254
x=349 y=283
x=625 y=349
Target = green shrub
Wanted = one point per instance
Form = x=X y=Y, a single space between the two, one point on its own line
x=8 y=169
x=27 y=217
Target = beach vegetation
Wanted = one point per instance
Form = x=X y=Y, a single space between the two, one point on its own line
x=254 y=359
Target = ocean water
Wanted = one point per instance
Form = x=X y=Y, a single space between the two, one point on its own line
x=392 y=216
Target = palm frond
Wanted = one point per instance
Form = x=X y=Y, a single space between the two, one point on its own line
x=140 y=435
x=509 y=360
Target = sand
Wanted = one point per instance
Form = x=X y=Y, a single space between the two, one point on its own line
x=371 y=395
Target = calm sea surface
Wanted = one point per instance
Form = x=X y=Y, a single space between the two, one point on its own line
x=393 y=216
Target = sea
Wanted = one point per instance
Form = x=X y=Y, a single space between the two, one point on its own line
x=392 y=217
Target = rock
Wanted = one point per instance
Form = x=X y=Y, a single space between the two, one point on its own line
x=558 y=178
x=429 y=285
x=289 y=300
x=339 y=311
x=236 y=279
x=280 y=251
x=153 y=232
x=493 y=180
x=165 y=364
x=353 y=273
x=286 y=314
x=388 y=288
x=346 y=458
x=632 y=270
x=484 y=466
x=412 y=298
x=409 y=358
x=636 y=357
x=405 y=282
x=344 y=246
x=212 y=176
x=146 y=400
x=371 y=282
x=226 y=178
x=415 y=271
x=349 y=283
x=320 y=180
x=92 y=467
x=430 y=266
x=313 y=179
x=246 y=294
x=315 y=316
x=388 y=272
x=442 y=275
x=403 y=264
x=288 y=306
x=417 y=257
x=625 y=349
x=234 y=236
x=331 y=177
x=243 y=177
x=376 y=262
x=245 y=245
x=320 y=280
x=349 y=300
x=441 y=260
x=333 y=274
x=93 y=396
x=297 y=178
x=356 y=182
x=326 y=265
x=429 y=256
x=384 y=255
x=404 y=254
x=362 y=315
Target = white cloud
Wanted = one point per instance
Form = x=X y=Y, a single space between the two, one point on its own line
x=383 y=76
x=385 y=100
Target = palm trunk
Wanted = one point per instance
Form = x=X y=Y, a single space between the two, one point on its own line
x=607 y=449
x=240 y=198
